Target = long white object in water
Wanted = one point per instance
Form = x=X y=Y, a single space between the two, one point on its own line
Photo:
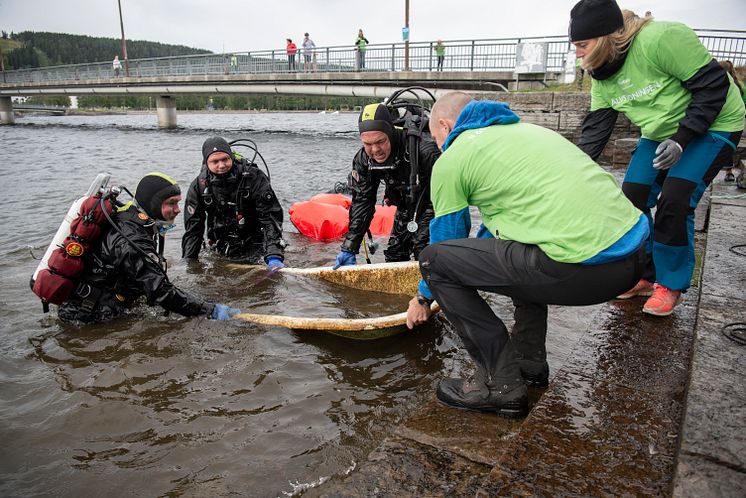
x=392 y=278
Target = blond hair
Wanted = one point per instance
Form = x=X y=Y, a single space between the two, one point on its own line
x=610 y=47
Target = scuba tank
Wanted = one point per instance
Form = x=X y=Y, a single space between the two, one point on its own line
x=55 y=278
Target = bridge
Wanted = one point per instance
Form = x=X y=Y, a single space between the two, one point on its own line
x=485 y=64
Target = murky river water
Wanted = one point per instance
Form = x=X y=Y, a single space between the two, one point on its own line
x=153 y=405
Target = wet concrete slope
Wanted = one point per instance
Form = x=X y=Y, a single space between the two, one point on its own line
x=610 y=423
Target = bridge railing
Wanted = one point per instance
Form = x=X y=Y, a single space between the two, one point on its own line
x=460 y=55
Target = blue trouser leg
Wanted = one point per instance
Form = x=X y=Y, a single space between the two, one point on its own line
x=675 y=193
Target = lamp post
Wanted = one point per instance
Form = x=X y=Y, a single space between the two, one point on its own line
x=406 y=30
x=124 y=43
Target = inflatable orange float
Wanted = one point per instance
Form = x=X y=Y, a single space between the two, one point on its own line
x=326 y=217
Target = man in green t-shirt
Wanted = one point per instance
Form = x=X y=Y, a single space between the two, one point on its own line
x=566 y=235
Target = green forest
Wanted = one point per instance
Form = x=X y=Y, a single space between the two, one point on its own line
x=36 y=49
x=29 y=49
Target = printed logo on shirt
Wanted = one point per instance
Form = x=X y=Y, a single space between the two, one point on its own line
x=642 y=92
x=625 y=84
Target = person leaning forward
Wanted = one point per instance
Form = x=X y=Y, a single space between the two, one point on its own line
x=567 y=236
x=388 y=155
x=690 y=116
x=127 y=264
x=234 y=199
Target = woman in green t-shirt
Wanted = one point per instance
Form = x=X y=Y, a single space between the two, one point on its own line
x=691 y=117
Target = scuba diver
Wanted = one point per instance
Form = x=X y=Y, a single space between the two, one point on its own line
x=234 y=198
x=397 y=149
x=126 y=263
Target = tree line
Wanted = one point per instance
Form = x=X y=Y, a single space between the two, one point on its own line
x=51 y=49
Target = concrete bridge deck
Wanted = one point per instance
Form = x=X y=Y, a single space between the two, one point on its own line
x=639 y=406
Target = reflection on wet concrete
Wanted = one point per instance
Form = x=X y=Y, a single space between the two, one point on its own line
x=610 y=423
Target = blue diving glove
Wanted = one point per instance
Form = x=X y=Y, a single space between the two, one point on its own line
x=667 y=154
x=223 y=312
x=274 y=263
x=345 y=258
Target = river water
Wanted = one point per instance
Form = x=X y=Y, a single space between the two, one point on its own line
x=151 y=405
x=154 y=405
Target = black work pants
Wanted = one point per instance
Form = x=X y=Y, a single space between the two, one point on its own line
x=456 y=269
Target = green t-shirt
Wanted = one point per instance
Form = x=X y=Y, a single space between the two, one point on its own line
x=440 y=49
x=533 y=186
x=361 y=43
x=647 y=89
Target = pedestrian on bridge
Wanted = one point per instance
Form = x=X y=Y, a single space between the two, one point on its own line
x=309 y=54
x=292 y=49
x=691 y=116
x=360 y=46
x=116 y=65
x=440 y=53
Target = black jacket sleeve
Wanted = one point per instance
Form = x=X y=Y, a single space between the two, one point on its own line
x=194 y=222
x=709 y=87
x=429 y=153
x=596 y=130
x=140 y=270
x=270 y=214
x=364 y=189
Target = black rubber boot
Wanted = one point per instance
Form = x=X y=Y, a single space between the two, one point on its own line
x=534 y=373
x=505 y=400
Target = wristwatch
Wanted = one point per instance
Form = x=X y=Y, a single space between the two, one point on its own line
x=424 y=301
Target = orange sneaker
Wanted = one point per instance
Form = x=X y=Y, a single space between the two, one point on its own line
x=642 y=288
x=662 y=302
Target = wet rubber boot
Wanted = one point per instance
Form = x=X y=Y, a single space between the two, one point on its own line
x=506 y=398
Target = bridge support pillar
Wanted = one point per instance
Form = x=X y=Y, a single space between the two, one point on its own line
x=165 y=107
x=6 y=111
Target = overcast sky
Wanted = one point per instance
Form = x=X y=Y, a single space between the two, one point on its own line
x=243 y=25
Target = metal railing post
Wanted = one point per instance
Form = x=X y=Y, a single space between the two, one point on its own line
x=393 y=56
x=473 y=43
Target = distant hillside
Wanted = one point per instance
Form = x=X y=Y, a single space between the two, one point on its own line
x=51 y=49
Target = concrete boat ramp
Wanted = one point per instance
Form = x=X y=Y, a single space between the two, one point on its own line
x=639 y=406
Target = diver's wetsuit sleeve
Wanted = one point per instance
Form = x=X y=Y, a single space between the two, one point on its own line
x=429 y=153
x=596 y=131
x=145 y=273
x=270 y=214
x=194 y=222
x=709 y=88
x=364 y=189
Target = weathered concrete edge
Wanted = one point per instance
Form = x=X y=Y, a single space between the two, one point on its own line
x=712 y=457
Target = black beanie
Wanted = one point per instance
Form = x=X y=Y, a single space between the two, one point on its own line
x=153 y=189
x=594 y=18
x=376 y=117
x=215 y=144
